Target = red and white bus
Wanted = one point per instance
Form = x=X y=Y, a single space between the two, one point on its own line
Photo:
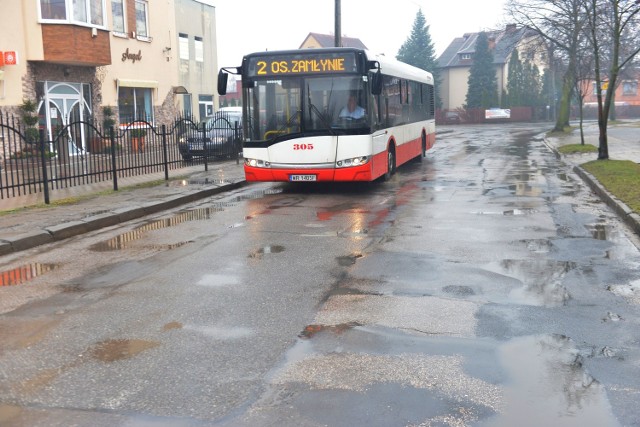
x=293 y=129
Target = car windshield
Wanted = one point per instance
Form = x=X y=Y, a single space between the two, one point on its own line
x=224 y=120
x=294 y=105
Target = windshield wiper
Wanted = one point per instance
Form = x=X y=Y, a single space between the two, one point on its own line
x=281 y=130
x=322 y=117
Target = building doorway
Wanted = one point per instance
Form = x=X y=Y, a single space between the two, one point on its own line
x=62 y=104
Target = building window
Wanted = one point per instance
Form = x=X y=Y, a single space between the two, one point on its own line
x=53 y=9
x=465 y=56
x=629 y=88
x=142 y=18
x=90 y=12
x=186 y=105
x=199 y=48
x=205 y=106
x=183 y=46
x=135 y=104
x=117 y=14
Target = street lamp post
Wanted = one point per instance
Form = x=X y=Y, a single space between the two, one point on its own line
x=338 y=29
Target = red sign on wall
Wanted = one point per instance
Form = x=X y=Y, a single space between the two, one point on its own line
x=10 y=58
x=1 y=58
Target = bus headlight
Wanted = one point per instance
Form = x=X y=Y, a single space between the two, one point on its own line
x=356 y=161
x=254 y=163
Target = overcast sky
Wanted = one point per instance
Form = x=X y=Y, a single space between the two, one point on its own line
x=245 y=26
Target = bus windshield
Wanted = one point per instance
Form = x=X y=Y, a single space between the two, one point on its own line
x=293 y=105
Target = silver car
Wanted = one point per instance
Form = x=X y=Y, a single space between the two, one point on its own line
x=218 y=136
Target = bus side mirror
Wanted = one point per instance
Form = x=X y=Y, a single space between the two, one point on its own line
x=222 y=82
x=376 y=83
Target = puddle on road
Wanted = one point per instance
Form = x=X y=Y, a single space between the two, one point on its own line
x=509 y=212
x=221 y=332
x=123 y=241
x=348 y=260
x=269 y=249
x=549 y=385
x=538 y=245
x=541 y=279
x=310 y=330
x=598 y=231
x=459 y=290
x=25 y=273
x=201 y=181
x=258 y=194
x=114 y=350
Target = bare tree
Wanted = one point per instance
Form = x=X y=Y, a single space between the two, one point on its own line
x=560 y=23
x=583 y=84
x=613 y=30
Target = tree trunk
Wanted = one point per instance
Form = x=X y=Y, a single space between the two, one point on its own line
x=562 y=120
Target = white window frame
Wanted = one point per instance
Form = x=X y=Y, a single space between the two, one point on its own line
x=124 y=17
x=629 y=88
x=199 y=49
x=145 y=9
x=183 y=46
x=70 y=12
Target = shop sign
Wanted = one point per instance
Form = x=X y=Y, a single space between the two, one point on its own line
x=133 y=57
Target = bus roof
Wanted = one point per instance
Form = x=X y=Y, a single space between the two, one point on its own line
x=388 y=66
x=397 y=68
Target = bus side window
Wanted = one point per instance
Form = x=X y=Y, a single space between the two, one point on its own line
x=393 y=101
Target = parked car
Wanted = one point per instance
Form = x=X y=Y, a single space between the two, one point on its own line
x=452 y=117
x=217 y=136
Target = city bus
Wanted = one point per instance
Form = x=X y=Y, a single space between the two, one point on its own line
x=296 y=126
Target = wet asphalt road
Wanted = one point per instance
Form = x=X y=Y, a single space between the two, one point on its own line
x=485 y=286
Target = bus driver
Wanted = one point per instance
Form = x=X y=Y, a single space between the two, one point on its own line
x=352 y=110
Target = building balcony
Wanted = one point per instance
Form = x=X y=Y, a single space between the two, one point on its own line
x=76 y=45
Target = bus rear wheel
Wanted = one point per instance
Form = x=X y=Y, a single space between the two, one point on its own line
x=391 y=164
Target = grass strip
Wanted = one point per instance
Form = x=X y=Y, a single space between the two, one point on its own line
x=577 y=148
x=620 y=177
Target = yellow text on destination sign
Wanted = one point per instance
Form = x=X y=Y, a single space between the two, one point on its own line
x=299 y=66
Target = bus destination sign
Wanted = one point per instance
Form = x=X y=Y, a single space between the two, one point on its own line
x=307 y=63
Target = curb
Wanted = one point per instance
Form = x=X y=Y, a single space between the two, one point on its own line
x=627 y=214
x=56 y=233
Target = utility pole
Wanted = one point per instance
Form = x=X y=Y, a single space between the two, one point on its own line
x=338 y=29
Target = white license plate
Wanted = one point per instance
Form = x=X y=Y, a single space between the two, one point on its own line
x=302 y=177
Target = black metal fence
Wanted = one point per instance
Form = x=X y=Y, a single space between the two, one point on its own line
x=41 y=160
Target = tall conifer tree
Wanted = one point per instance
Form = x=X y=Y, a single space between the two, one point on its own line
x=482 y=89
x=418 y=51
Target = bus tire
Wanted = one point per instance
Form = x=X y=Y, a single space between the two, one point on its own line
x=391 y=163
x=424 y=146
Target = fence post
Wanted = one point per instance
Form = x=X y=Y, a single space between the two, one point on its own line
x=236 y=141
x=204 y=146
x=43 y=159
x=114 y=165
x=165 y=154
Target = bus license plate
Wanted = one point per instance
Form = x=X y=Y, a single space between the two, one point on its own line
x=302 y=177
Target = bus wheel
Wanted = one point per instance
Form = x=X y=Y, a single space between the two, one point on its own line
x=423 y=149
x=391 y=164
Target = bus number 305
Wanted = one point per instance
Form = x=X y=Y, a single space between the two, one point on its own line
x=303 y=146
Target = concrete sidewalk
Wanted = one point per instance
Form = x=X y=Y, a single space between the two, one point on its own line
x=27 y=228
x=624 y=144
